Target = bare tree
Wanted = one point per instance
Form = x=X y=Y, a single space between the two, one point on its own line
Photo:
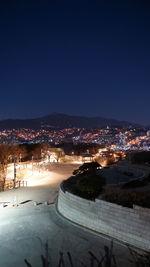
x=45 y=150
x=18 y=152
x=5 y=153
x=57 y=153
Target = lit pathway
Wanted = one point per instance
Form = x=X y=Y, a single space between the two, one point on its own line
x=42 y=186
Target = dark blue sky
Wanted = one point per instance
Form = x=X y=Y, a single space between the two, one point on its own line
x=76 y=57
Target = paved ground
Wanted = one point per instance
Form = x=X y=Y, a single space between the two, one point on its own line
x=24 y=232
x=25 y=229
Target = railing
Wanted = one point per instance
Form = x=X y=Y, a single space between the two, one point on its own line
x=10 y=185
x=21 y=183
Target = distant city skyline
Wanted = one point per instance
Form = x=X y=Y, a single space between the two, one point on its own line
x=87 y=58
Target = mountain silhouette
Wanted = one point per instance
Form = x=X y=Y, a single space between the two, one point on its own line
x=58 y=120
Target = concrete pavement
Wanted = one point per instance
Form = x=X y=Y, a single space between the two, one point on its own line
x=24 y=232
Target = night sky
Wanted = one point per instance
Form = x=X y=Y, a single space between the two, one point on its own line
x=76 y=57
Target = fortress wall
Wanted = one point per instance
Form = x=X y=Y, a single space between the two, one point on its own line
x=131 y=226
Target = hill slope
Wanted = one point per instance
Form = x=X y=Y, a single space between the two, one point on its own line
x=56 y=120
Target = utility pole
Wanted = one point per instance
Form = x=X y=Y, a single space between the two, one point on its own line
x=20 y=157
x=14 y=172
x=32 y=165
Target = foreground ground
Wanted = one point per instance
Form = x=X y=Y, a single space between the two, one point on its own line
x=25 y=229
x=24 y=232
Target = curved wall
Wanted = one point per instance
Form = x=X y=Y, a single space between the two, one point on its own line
x=128 y=225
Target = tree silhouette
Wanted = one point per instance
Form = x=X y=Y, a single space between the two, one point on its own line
x=5 y=153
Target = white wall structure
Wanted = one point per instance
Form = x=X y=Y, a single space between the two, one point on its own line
x=131 y=226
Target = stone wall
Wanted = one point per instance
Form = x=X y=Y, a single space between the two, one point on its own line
x=131 y=226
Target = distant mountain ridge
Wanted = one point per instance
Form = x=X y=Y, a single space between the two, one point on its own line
x=58 y=120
